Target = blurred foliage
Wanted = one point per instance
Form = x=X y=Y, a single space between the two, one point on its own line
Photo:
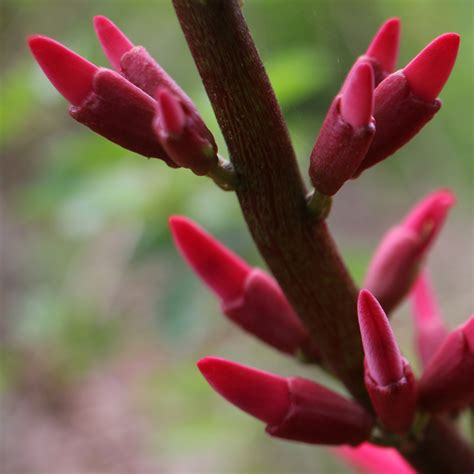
x=91 y=281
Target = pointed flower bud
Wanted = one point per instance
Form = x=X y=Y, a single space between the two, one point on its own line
x=406 y=100
x=430 y=330
x=346 y=133
x=113 y=41
x=293 y=408
x=429 y=71
x=448 y=381
x=101 y=99
x=397 y=259
x=370 y=459
x=70 y=74
x=384 y=48
x=382 y=52
x=388 y=377
x=217 y=266
x=183 y=134
x=249 y=297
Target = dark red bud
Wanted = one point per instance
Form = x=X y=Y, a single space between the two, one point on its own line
x=346 y=133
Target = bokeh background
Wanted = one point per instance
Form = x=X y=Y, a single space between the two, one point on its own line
x=102 y=322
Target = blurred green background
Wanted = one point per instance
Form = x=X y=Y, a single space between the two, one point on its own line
x=101 y=321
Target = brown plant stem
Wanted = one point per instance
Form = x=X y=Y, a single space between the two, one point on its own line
x=296 y=246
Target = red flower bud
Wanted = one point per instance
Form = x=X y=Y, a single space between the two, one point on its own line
x=370 y=459
x=70 y=74
x=220 y=269
x=383 y=49
x=346 y=133
x=429 y=71
x=448 y=381
x=122 y=113
x=406 y=100
x=397 y=259
x=388 y=377
x=101 y=99
x=430 y=330
x=293 y=408
x=249 y=297
x=113 y=41
x=183 y=134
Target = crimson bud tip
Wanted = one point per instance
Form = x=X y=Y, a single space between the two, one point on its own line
x=113 y=41
x=171 y=118
x=357 y=100
x=428 y=72
x=382 y=355
x=220 y=269
x=70 y=74
x=260 y=394
x=384 y=47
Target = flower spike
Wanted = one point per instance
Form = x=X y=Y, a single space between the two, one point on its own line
x=396 y=261
x=388 y=377
x=293 y=408
x=428 y=72
x=357 y=101
x=384 y=47
x=222 y=270
x=447 y=383
x=70 y=74
x=113 y=41
x=249 y=297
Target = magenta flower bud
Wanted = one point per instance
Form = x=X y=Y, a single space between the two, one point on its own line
x=183 y=134
x=448 y=381
x=406 y=100
x=219 y=268
x=70 y=74
x=382 y=52
x=249 y=297
x=346 y=133
x=113 y=41
x=388 y=376
x=293 y=408
x=370 y=459
x=398 y=258
x=430 y=330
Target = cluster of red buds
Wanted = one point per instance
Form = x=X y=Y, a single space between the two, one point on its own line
x=377 y=111
x=137 y=105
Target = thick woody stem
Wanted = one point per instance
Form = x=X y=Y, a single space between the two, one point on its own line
x=296 y=246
